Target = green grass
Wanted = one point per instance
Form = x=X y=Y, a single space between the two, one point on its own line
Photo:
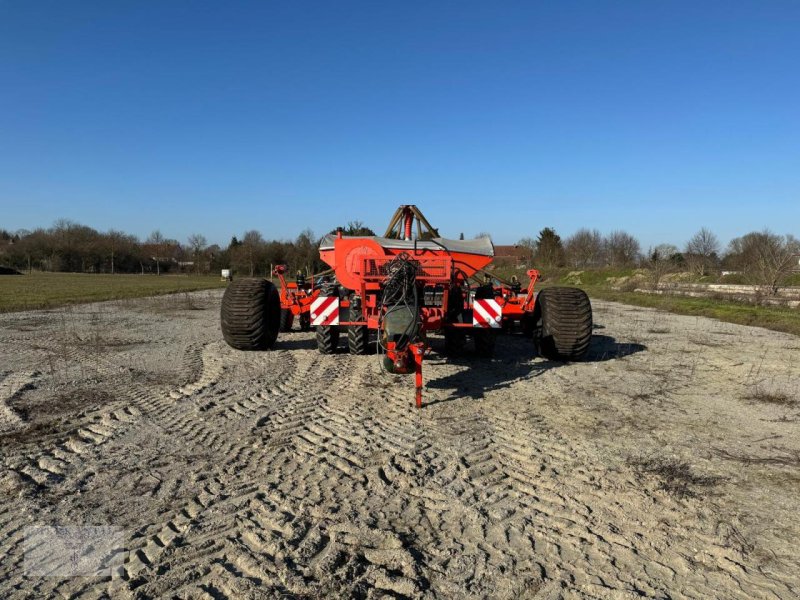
x=47 y=290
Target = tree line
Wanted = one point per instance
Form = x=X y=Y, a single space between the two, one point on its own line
x=762 y=257
x=71 y=247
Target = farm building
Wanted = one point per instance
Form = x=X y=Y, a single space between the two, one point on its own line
x=511 y=255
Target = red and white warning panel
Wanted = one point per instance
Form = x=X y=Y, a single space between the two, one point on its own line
x=486 y=313
x=325 y=310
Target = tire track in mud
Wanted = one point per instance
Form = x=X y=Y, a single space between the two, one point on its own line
x=204 y=367
x=204 y=425
x=140 y=407
x=327 y=440
x=11 y=386
x=514 y=471
x=503 y=465
x=312 y=475
x=431 y=477
x=93 y=429
x=318 y=443
x=200 y=423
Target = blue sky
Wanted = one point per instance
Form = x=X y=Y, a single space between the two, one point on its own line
x=217 y=117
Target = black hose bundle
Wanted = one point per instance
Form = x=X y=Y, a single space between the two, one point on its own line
x=401 y=277
x=399 y=313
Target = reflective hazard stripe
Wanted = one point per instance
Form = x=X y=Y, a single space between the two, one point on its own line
x=325 y=310
x=486 y=313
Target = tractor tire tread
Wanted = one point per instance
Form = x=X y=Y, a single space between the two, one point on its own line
x=327 y=338
x=566 y=323
x=358 y=339
x=250 y=314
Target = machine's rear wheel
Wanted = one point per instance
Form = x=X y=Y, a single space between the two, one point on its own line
x=327 y=338
x=358 y=339
x=250 y=314
x=484 y=342
x=564 y=326
x=287 y=318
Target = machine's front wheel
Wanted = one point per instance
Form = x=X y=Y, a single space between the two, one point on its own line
x=564 y=326
x=327 y=338
x=250 y=314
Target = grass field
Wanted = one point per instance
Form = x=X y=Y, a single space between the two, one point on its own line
x=46 y=290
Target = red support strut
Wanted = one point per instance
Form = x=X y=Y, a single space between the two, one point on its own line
x=418 y=351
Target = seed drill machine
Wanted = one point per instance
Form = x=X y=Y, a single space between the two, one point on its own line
x=394 y=290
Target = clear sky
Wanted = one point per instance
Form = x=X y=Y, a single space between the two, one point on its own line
x=505 y=117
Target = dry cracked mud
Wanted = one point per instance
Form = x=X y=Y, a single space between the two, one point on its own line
x=666 y=465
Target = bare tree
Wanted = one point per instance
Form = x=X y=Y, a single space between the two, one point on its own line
x=584 y=249
x=528 y=247
x=622 y=249
x=277 y=253
x=765 y=258
x=198 y=243
x=661 y=261
x=114 y=240
x=21 y=250
x=253 y=246
x=702 y=252
x=304 y=252
x=35 y=246
x=121 y=249
x=157 y=240
x=63 y=235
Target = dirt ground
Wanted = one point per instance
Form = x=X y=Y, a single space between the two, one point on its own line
x=667 y=465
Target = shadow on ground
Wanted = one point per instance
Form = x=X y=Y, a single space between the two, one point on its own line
x=293 y=340
x=287 y=341
x=605 y=347
x=515 y=358
x=512 y=362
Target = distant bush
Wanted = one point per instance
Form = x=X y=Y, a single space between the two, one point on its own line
x=793 y=280
x=733 y=279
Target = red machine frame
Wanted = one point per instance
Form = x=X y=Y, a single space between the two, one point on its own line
x=295 y=298
x=360 y=267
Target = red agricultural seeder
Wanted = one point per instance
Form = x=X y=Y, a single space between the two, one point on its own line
x=402 y=286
